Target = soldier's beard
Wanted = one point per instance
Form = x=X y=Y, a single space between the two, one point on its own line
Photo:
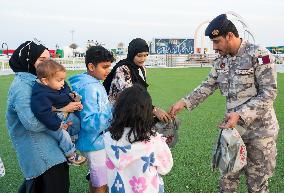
x=220 y=52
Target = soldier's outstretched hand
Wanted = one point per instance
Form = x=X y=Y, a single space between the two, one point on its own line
x=176 y=108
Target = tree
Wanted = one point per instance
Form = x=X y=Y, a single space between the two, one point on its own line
x=73 y=46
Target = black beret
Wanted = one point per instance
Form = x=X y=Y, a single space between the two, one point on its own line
x=217 y=26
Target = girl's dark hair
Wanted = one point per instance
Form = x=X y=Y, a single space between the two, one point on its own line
x=133 y=109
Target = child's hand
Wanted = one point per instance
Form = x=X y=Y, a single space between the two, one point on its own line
x=80 y=107
x=65 y=125
x=73 y=106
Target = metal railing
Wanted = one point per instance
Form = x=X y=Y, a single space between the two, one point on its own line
x=152 y=61
x=158 y=61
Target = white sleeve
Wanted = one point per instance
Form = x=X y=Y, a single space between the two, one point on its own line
x=163 y=158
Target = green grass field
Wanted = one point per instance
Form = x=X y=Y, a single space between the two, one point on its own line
x=192 y=155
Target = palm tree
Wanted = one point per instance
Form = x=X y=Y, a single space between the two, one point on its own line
x=73 y=46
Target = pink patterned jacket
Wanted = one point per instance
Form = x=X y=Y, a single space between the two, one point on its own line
x=137 y=167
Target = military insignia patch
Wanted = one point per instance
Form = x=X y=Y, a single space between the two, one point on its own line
x=215 y=32
x=264 y=60
x=244 y=71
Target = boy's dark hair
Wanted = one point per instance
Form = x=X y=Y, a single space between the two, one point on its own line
x=48 y=69
x=97 y=54
x=133 y=109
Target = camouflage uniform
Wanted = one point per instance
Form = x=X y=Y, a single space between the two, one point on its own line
x=248 y=81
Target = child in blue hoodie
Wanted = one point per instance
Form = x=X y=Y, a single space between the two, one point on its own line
x=96 y=114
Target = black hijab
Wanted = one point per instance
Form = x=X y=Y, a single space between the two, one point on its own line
x=25 y=56
x=136 y=46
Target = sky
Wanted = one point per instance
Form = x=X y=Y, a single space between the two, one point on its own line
x=113 y=21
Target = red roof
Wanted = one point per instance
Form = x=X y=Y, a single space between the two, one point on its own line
x=9 y=51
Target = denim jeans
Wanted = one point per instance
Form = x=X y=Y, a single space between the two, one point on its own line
x=63 y=137
x=73 y=129
x=64 y=140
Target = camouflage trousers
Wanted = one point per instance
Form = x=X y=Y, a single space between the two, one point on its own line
x=261 y=156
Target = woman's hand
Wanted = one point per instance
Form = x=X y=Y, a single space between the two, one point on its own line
x=161 y=114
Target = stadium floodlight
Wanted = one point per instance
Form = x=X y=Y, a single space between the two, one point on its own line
x=6 y=48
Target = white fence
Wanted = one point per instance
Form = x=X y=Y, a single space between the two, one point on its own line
x=4 y=67
x=157 y=61
x=152 y=61
x=72 y=63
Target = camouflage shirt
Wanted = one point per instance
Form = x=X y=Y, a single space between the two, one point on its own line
x=249 y=83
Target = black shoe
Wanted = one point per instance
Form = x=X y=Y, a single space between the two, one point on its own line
x=88 y=176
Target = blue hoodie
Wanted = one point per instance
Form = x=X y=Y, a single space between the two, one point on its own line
x=96 y=114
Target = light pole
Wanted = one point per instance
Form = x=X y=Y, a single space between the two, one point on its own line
x=6 y=49
x=72 y=34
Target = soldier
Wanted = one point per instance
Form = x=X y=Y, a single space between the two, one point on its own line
x=246 y=76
